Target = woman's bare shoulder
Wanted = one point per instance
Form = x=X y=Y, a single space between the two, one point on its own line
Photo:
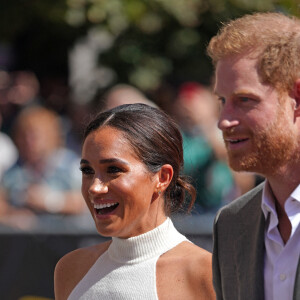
x=73 y=266
x=193 y=265
x=189 y=252
x=194 y=253
x=198 y=262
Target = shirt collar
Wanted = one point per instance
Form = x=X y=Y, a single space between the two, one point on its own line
x=268 y=204
x=296 y=193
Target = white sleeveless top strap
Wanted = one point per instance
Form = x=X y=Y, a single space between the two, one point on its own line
x=127 y=270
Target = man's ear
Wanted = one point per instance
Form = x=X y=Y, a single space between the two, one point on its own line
x=297 y=98
x=165 y=176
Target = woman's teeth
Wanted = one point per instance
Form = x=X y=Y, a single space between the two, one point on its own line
x=105 y=208
x=104 y=205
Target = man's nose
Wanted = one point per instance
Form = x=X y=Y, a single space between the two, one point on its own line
x=227 y=118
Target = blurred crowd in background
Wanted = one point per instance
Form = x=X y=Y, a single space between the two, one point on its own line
x=65 y=60
x=40 y=141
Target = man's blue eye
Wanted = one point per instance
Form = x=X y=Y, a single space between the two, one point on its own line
x=221 y=100
x=245 y=99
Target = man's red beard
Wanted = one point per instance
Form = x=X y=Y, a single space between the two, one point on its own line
x=271 y=148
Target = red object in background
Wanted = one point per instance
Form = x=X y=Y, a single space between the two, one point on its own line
x=188 y=90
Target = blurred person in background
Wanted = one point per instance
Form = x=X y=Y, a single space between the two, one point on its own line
x=46 y=177
x=124 y=94
x=196 y=111
x=8 y=151
x=19 y=89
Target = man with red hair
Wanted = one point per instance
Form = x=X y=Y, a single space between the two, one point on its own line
x=257 y=237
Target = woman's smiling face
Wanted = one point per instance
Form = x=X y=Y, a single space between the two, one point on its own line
x=116 y=185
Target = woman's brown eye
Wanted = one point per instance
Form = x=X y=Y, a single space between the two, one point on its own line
x=86 y=170
x=114 y=169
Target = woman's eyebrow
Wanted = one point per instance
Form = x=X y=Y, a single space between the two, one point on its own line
x=105 y=161
x=84 y=161
x=112 y=160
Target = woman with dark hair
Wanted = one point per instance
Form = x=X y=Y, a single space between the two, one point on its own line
x=131 y=163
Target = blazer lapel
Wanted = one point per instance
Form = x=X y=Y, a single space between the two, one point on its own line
x=250 y=251
x=297 y=284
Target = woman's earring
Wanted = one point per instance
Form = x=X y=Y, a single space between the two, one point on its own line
x=159 y=192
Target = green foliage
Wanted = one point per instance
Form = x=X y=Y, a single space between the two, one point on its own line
x=162 y=40
x=153 y=40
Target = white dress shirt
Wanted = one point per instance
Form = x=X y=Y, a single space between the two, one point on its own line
x=281 y=260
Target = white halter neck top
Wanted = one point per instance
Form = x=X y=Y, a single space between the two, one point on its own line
x=127 y=270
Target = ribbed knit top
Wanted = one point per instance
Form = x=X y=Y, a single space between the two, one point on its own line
x=127 y=270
